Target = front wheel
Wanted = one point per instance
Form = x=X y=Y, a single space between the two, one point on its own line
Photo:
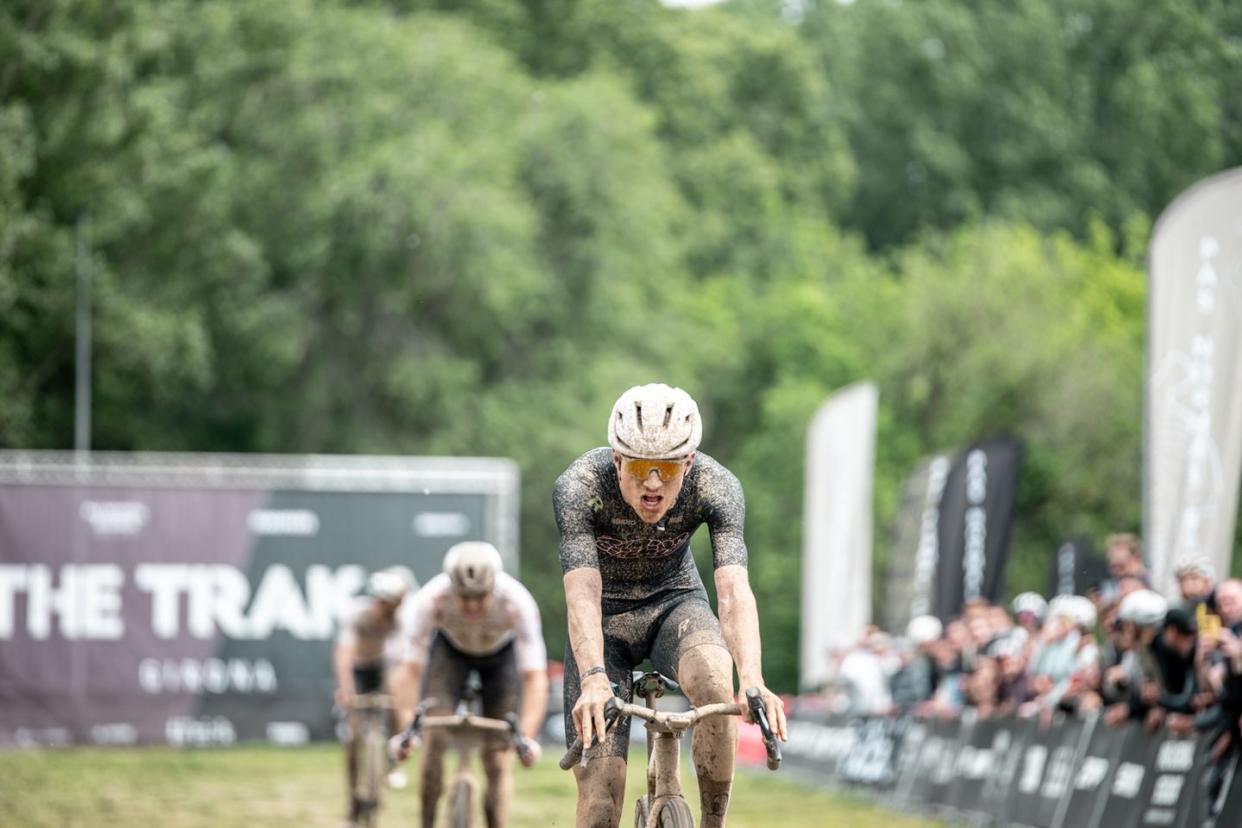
x=463 y=799
x=676 y=814
x=641 y=810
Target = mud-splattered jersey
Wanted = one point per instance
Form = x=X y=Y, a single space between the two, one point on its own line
x=370 y=633
x=636 y=560
x=512 y=615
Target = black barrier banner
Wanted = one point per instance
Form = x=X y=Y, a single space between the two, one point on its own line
x=909 y=761
x=195 y=599
x=1008 y=746
x=1231 y=812
x=1173 y=786
x=819 y=741
x=976 y=518
x=1093 y=776
x=1065 y=747
x=872 y=759
x=1026 y=800
x=977 y=761
x=1076 y=568
x=1131 y=781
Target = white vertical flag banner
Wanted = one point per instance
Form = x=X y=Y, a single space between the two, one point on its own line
x=1193 y=424
x=836 y=545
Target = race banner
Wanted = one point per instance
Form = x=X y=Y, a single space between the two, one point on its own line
x=1076 y=568
x=1193 y=424
x=195 y=599
x=913 y=556
x=974 y=525
x=836 y=546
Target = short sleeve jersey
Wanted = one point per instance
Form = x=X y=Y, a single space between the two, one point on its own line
x=511 y=616
x=637 y=560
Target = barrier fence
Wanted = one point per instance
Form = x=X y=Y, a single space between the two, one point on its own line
x=1011 y=772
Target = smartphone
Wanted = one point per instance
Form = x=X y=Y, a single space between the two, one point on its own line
x=1209 y=622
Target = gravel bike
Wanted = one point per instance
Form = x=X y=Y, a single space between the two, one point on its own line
x=664 y=806
x=466 y=734
x=369 y=718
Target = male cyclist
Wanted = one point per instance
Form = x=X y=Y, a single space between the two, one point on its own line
x=474 y=616
x=362 y=649
x=626 y=514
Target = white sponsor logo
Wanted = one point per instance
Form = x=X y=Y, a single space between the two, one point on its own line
x=115 y=517
x=441 y=524
x=119 y=733
x=41 y=737
x=298 y=523
x=203 y=600
x=209 y=675
x=1033 y=762
x=287 y=733
x=928 y=553
x=1091 y=774
x=189 y=731
x=86 y=604
x=1177 y=756
x=1129 y=780
x=974 y=558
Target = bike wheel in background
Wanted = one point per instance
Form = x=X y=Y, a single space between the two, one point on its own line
x=462 y=803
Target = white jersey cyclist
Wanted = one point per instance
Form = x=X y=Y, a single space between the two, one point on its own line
x=512 y=616
x=474 y=618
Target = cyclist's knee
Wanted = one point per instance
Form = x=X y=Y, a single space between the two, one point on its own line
x=601 y=791
x=706 y=674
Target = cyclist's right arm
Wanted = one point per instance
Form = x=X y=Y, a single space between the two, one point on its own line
x=572 y=497
x=418 y=627
x=343 y=666
x=583 y=591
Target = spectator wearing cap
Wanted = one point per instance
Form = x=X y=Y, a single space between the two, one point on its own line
x=1125 y=560
x=1174 y=651
x=1220 y=674
x=916 y=681
x=1136 y=680
x=1196 y=579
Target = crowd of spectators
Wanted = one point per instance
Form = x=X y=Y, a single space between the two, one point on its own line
x=1123 y=651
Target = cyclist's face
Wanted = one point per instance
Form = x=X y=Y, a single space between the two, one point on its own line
x=652 y=496
x=473 y=607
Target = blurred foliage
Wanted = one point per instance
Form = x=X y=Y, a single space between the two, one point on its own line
x=464 y=226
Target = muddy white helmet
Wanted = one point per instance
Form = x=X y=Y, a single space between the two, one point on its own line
x=389 y=584
x=472 y=566
x=1146 y=608
x=654 y=422
x=1031 y=602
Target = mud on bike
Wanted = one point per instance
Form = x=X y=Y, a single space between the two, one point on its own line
x=664 y=806
x=467 y=733
x=369 y=716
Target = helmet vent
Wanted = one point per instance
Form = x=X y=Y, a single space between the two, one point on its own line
x=638 y=408
x=668 y=415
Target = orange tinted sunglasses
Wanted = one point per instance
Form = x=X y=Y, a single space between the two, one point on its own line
x=641 y=469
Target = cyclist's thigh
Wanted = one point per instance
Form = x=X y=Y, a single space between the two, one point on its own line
x=444 y=678
x=619 y=664
x=688 y=624
x=501 y=685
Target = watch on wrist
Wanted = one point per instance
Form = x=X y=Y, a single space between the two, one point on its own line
x=599 y=668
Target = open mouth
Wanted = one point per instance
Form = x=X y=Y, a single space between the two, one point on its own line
x=652 y=502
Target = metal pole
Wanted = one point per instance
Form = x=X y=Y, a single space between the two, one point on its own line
x=82 y=385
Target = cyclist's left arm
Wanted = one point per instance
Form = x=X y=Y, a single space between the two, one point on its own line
x=739 y=615
x=532 y=662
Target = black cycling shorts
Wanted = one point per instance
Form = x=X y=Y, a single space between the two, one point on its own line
x=444 y=678
x=369 y=678
x=663 y=630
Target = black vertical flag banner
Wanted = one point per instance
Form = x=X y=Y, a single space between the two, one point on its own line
x=976 y=519
x=1076 y=568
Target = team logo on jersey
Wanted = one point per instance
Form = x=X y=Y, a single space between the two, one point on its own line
x=655 y=547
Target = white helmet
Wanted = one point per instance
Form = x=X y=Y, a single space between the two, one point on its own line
x=924 y=629
x=1031 y=602
x=472 y=566
x=1146 y=608
x=1195 y=565
x=1077 y=608
x=389 y=584
x=655 y=422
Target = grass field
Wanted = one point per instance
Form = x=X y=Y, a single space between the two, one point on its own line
x=269 y=787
